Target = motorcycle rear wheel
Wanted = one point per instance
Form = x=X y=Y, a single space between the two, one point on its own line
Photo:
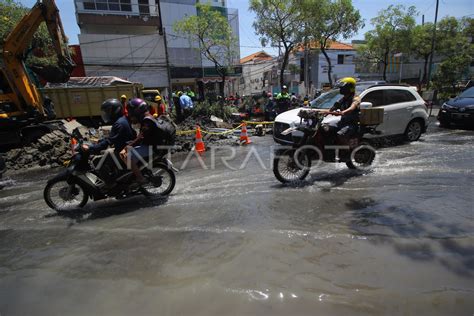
x=162 y=181
x=62 y=196
x=287 y=170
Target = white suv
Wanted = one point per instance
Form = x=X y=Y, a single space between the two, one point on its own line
x=405 y=112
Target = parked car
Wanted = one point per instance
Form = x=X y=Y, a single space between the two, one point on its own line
x=405 y=112
x=459 y=110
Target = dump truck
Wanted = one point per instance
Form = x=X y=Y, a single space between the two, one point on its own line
x=80 y=98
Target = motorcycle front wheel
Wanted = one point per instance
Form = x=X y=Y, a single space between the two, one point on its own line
x=62 y=196
x=161 y=180
x=289 y=169
x=361 y=157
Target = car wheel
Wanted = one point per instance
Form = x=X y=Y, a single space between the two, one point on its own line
x=413 y=131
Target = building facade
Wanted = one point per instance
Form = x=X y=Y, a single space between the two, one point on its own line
x=257 y=70
x=126 y=38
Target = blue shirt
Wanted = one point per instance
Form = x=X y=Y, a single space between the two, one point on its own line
x=120 y=134
x=185 y=102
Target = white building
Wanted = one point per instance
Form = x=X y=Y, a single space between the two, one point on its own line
x=256 y=72
x=125 y=38
x=342 y=65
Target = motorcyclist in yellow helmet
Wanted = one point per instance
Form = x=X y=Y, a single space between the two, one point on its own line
x=348 y=108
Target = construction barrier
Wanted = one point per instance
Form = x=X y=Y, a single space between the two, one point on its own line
x=193 y=131
x=258 y=123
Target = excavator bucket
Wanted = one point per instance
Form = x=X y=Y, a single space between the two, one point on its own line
x=52 y=73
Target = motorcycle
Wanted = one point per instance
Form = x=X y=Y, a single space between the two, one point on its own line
x=104 y=176
x=314 y=139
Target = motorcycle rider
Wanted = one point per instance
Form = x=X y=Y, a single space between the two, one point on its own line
x=147 y=140
x=348 y=108
x=121 y=132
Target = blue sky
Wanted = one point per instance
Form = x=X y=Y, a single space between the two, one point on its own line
x=250 y=43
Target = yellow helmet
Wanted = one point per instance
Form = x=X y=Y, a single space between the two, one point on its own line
x=347 y=82
x=123 y=96
x=179 y=93
x=157 y=98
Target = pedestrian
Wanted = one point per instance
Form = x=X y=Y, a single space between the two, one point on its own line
x=186 y=104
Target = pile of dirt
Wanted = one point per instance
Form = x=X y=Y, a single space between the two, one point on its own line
x=52 y=149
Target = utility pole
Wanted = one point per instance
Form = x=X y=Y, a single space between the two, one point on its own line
x=433 y=39
x=170 y=93
x=162 y=31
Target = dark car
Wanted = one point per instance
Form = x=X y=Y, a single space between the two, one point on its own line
x=459 y=110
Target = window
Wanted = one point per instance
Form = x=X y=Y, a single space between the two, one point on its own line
x=143 y=7
x=374 y=97
x=393 y=96
x=340 y=59
x=108 y=5
x=89 y=5
x=114 y=5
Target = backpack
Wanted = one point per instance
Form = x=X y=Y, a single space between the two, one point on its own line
x=165 y=132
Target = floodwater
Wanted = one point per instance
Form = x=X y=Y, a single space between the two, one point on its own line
x=395 y=240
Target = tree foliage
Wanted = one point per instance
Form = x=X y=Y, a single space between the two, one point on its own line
x=11 y=12
x=212 y=31
x=421 y=37
x=454 y=44
x=392 y=34
x=330 y=20
x=279 y=22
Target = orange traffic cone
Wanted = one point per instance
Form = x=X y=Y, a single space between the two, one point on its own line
x=200 y=148
x=244 y=137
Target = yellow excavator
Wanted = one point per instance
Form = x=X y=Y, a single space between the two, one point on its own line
x=25 y=115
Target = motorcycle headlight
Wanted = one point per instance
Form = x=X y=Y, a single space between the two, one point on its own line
x=326 y=127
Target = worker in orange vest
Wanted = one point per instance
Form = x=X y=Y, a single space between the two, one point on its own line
x=123 y=100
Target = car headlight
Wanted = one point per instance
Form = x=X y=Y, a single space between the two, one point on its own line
x=446 y=106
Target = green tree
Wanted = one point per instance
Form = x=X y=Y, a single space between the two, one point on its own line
x=279 y=22
x=422 y=35
x=392 y=34
x=450 y=71
x=455 y=47
x=11 y=12
x=40 y=56
x=211 y=30
x=329 y=20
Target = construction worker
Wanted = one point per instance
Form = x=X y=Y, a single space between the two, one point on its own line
x=283 y=100
x=190 y=94
x=186 y=103
x=123 y=100
x=161 y=110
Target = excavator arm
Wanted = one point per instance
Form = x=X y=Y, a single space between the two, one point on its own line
x=17 y=87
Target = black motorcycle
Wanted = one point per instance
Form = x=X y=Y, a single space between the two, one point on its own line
x=104 y=176
x=319 y=142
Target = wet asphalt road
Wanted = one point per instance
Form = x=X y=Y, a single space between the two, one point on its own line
x=396 y=240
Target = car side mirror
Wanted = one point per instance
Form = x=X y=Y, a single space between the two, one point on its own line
x=366 y=105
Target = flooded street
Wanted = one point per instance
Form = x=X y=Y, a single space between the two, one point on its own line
x=398 y=240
